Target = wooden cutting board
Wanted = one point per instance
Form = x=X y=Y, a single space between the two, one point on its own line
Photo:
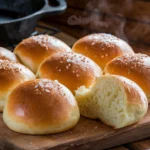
x=87 y=134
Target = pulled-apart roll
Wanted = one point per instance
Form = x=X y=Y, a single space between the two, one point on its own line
x=11 y=74
x=40 y=106
x=134 y=67
x=102 y=47
x=71 y=69
x=32 y=51
x=115 y=100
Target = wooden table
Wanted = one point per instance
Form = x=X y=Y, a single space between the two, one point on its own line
x=70 y=39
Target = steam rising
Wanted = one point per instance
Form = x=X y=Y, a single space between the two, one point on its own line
x=98 y=17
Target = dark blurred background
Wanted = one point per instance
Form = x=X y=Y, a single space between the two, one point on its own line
x=127 y=19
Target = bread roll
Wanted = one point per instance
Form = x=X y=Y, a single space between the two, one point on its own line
x=11 y=74
x=136 y=68
x=7 y=55
x=40 y=106
x=32 y=51
x=115 y=100
x=71 y=69
x=102 y=47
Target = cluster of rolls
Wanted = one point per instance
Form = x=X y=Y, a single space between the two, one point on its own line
x=45 y=85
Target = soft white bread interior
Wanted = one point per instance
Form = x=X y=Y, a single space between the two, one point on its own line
x=41 y=106
x=11 y=74
x=71 y=69
x=115 y=100
x=134 y=67
x=8 y=55
x=32 y=51
x=102 y=47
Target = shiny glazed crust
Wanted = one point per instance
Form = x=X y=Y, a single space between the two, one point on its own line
x=40 y=106
x=102 y=48
x=8 y=55
x=11 y=74
x=71 y=69
x=32 y=51
x=136 y=68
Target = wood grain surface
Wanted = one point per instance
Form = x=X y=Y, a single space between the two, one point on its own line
x=87 y=134
x=118 y=148
x=140 y=145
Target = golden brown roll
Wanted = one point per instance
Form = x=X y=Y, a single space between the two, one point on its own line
x=11 y=74
x=32 y=51
x=115 y=100
x=40 y=106
x=8 y=55
x=136 y=68
x=102 y=48
x=71 y=69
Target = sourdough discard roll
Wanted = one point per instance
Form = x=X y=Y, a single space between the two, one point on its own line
x=136 y=68
x=40 y=106
x=8 y=55
x=102 y=47
x=11 y=74
x=32 y=51
x=71 y=69
x=115 y=100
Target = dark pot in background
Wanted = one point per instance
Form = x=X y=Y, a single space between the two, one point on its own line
x=18 y=18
